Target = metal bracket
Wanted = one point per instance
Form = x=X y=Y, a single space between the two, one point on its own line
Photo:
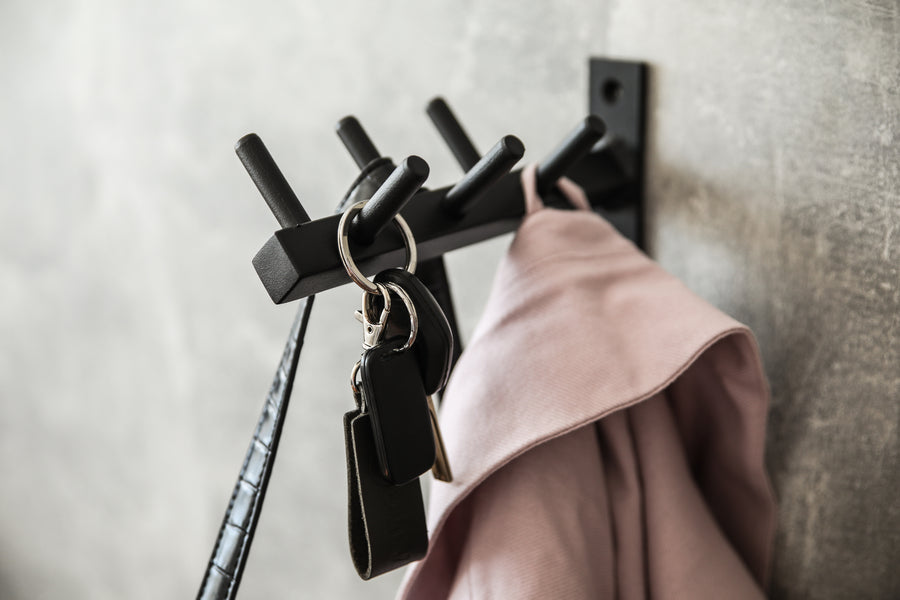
x=617 y=94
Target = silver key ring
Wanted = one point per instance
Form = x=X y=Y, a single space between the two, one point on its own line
x=357 y=394
x=413 y=315
x=344 y=247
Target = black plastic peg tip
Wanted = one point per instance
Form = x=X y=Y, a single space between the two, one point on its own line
x=572 y=149
x=357 y=141
x=270 y=181
x=450 y=129
x=486 y=172
x=389 y=200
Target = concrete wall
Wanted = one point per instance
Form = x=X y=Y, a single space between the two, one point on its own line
x=775 y=192
x=138 y=344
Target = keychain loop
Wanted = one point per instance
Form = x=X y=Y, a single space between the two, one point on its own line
x=373 y=328
x=344 y=247
x=357 y=394
x=413 y=315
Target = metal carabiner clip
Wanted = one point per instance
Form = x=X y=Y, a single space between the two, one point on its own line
x=373 y=329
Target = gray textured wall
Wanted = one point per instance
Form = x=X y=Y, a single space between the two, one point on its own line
x=775 y=192
x=138 y=344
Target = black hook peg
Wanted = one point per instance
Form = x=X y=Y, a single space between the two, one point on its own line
x=357 y=141
x=270 y=181
x=450 y=129
x=486 y=172
x=576 y=145
x=389 y=200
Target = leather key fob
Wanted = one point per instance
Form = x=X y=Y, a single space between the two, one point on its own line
x=394 y=396
x=433 y=348
x=386 y=522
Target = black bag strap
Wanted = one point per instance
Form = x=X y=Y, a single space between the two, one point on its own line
x=229 y=556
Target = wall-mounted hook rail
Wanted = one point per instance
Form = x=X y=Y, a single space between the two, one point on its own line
x=302 y=260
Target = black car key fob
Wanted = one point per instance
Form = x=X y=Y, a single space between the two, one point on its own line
x=433 y=347
x=393 y=394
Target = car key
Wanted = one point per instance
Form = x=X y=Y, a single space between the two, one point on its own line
x=441 y=467
x=392 y=392
x=433 y=336
x=394 y=396
x=434 y=341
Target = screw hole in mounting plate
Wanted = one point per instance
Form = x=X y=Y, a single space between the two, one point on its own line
x=611 y=90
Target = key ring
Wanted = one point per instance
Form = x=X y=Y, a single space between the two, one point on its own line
x=357 y=394
x=413 y=315
x=344 y=247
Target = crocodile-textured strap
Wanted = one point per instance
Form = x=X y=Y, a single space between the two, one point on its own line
x=226 y=565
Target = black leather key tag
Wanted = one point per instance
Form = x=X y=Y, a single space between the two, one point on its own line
x=392 y=390
x=433 y=347
x=386 y=522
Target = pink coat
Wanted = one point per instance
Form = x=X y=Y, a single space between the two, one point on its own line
x=605 y=427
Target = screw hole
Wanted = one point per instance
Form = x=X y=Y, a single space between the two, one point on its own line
x=611 y=90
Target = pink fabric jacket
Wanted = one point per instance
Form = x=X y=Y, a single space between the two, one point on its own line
x=605 y=427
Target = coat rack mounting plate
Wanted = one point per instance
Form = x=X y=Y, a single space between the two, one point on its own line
x=617 y=94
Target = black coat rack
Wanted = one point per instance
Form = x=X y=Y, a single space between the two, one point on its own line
x=301 y=259
x=603 y=154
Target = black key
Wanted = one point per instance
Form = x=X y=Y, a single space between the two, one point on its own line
x=393 y=394
x=433 y=335
x=433 y=347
